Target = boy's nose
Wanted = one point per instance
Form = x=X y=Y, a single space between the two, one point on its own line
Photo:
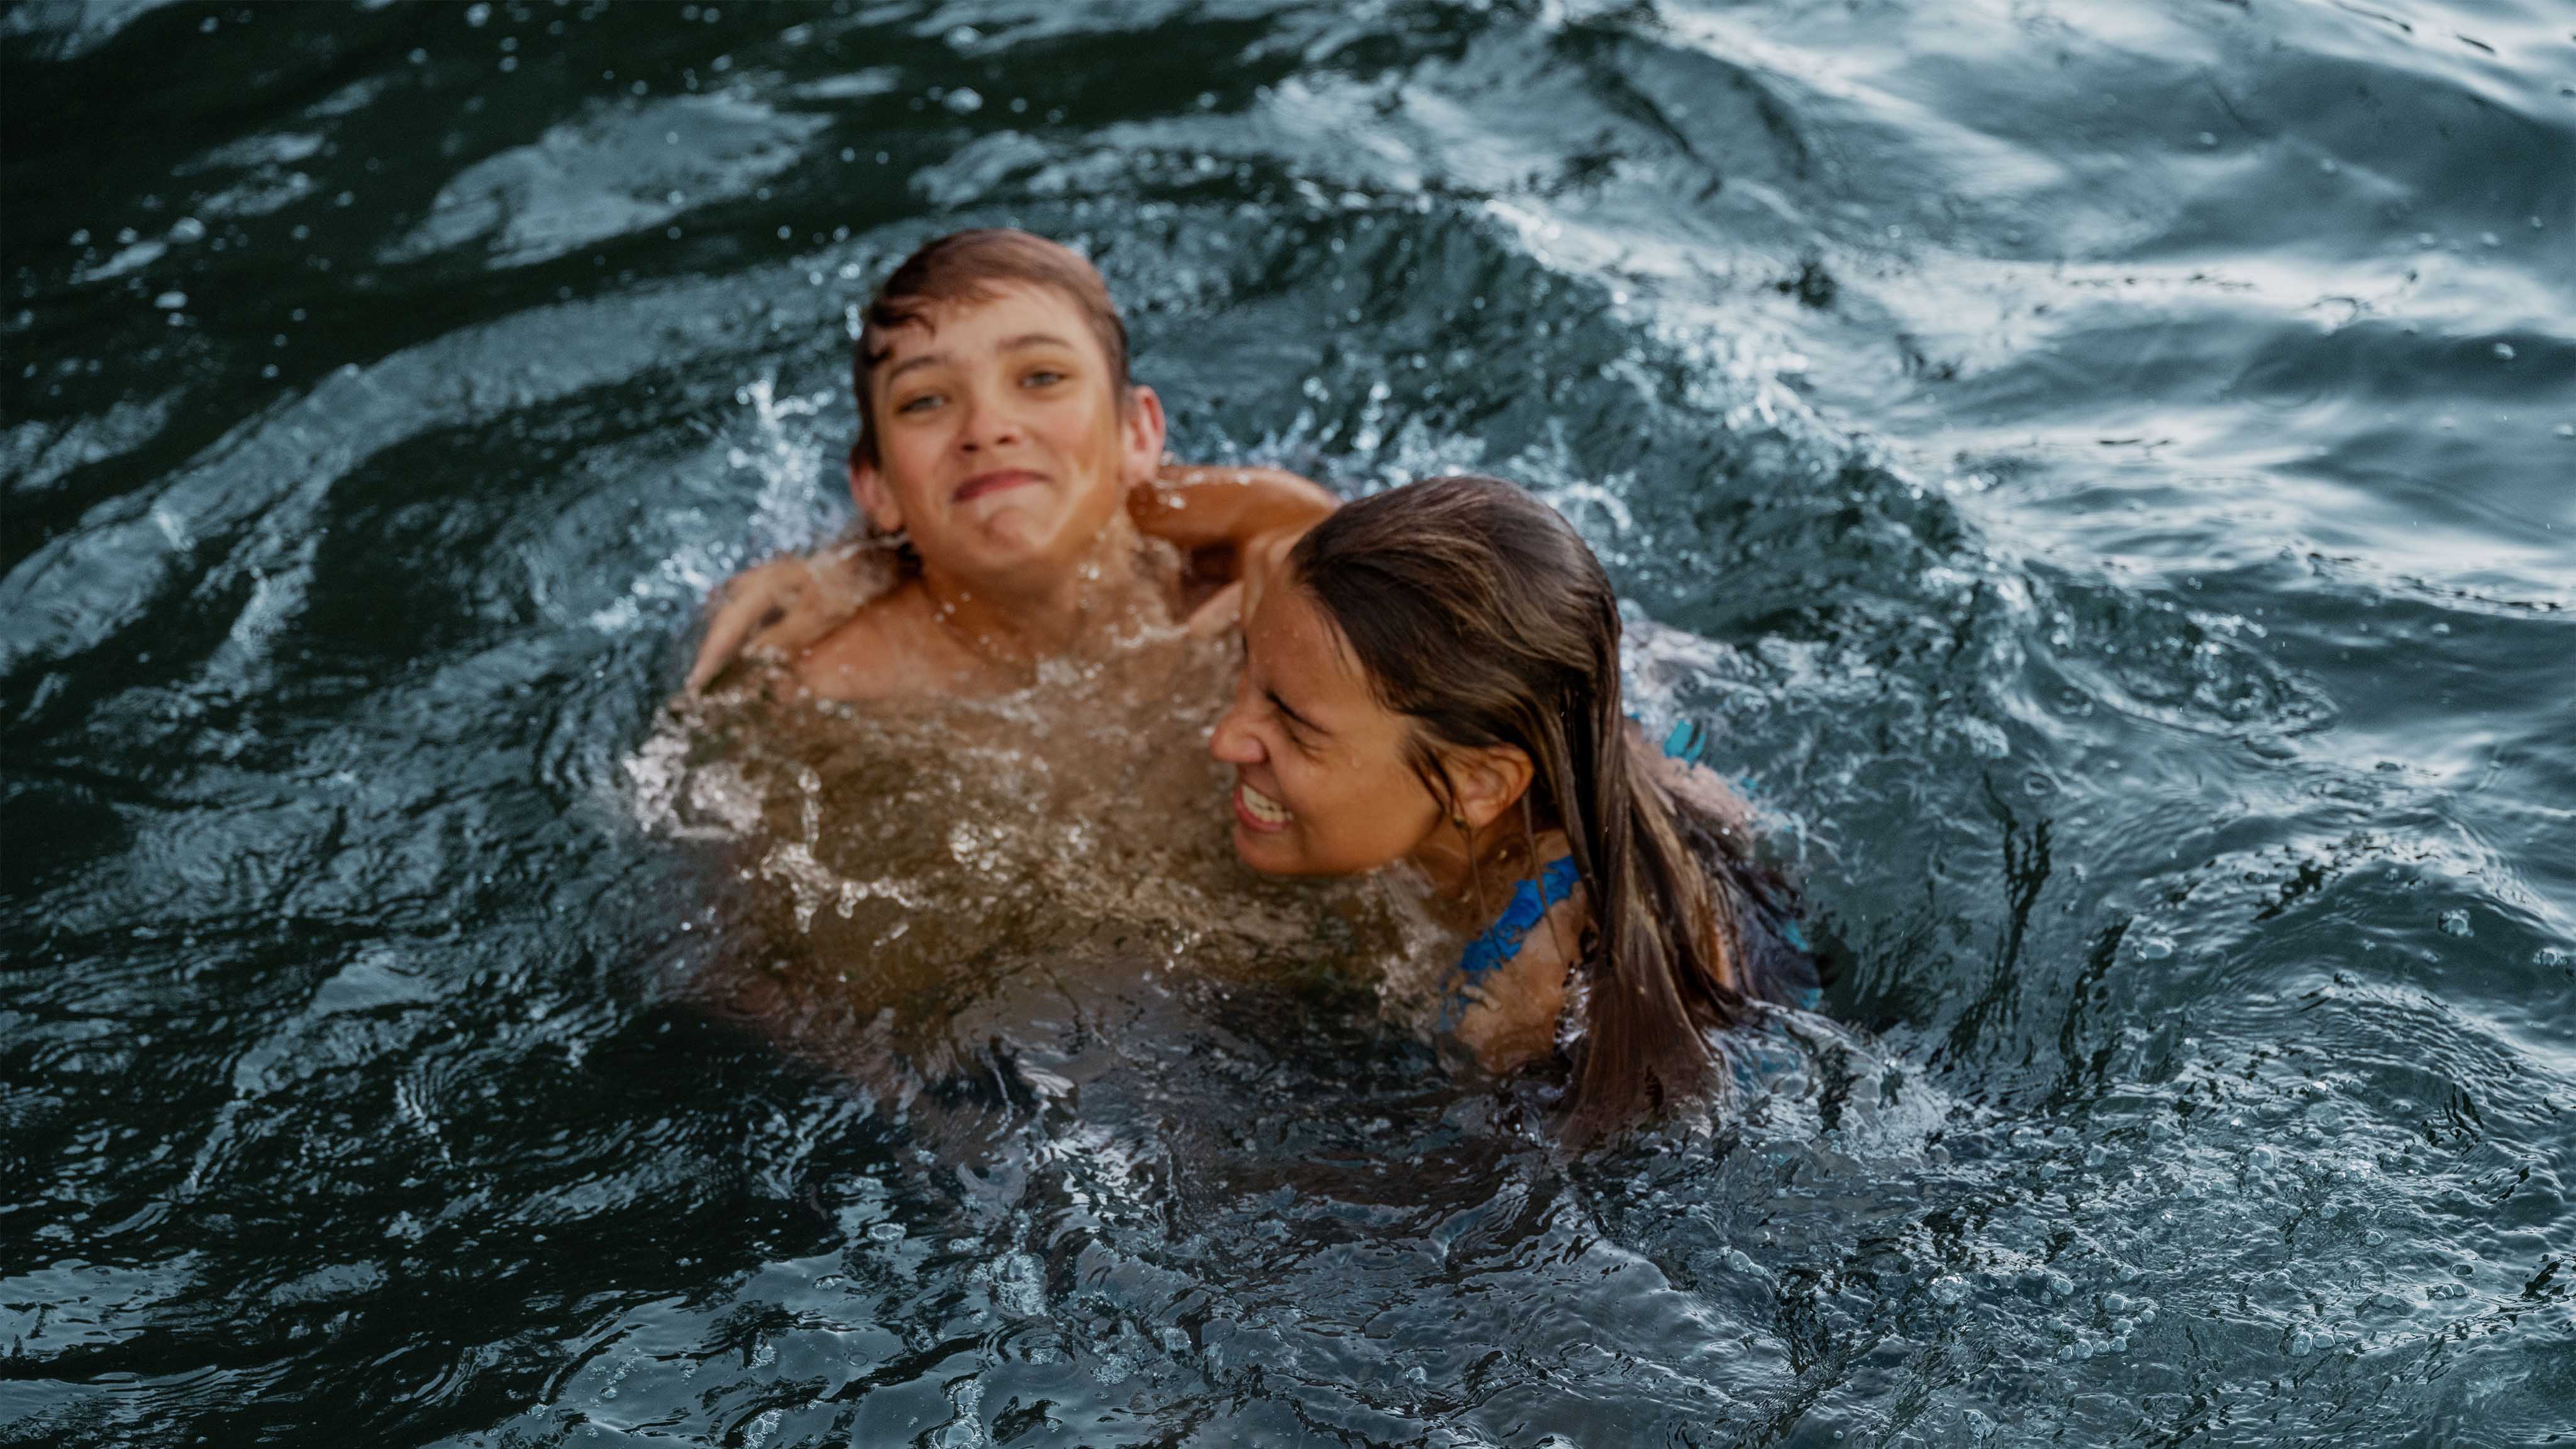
x=988 y=424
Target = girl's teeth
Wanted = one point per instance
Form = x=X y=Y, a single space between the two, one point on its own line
x=1263 y=808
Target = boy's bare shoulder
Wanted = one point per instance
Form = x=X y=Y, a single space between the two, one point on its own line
x=889 y=649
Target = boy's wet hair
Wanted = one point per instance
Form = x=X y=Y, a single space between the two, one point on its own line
x=969 y=265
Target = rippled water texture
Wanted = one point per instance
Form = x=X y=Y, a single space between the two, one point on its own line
x=2102 y=470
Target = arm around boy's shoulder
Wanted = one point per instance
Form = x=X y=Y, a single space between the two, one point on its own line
x=1200 y=506
x=776 y=608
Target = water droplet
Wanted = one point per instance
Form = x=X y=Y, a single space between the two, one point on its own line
x=1736 y=1260
x=2263 y=1158
x=2504 y=350
x=963 y=100
x=171 y=301
x=2302 y=1343
x=885 y=1232
x=1949 y=1291
x=2456 y=923
x=2154 y=948
x=477 y=14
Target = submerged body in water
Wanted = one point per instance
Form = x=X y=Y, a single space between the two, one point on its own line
x=920 y=890
x=911 y=886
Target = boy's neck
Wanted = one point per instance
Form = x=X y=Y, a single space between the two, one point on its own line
x=1024 y=621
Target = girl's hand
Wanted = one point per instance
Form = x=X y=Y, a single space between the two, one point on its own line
x=1265 y=565
x=774 y=609
x=1222 y=611
x=1264 y=558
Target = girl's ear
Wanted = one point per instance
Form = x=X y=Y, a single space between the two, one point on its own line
x=876 y=500
x=1488 y=781
x=1140 y=435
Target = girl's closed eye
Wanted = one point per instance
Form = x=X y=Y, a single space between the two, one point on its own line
x=919 y=403
x=1041 y=377
x=1301 y=736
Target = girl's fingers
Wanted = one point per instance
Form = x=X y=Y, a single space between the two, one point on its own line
x=1222 y=611
x=742 y=607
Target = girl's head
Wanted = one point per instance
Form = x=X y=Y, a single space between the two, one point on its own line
x=1437 y=670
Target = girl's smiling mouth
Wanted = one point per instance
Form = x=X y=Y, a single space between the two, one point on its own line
x=1257 y=811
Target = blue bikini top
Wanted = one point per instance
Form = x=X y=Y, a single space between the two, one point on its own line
x=1785 y=976
x=1501 y=941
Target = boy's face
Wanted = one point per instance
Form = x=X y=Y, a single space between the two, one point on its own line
x=1002 y=448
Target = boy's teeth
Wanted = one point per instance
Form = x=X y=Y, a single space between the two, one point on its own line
x=1263 y=808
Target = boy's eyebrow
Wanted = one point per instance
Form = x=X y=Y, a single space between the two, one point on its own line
x=924 y=359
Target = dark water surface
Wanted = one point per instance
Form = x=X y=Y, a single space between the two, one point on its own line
x=2104 y=470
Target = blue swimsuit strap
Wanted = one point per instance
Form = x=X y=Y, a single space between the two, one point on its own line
x=1530 y=900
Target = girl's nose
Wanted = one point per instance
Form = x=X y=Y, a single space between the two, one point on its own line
x=1232 y=741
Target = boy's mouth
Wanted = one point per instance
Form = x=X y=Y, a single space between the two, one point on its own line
x=1258 y=811
x=993 y=482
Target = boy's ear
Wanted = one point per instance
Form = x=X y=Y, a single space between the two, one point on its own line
x=1488 y=781
x=1141 y=431
x=868 y=489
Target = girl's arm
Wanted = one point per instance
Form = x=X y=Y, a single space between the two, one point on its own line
x=1196 y=508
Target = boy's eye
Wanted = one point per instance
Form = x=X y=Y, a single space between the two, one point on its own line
x=920 y=403
x=1042 y=377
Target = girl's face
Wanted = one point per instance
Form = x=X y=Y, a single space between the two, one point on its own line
x=1324 y=783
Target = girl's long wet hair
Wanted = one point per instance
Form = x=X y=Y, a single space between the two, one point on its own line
x=1477 y=611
